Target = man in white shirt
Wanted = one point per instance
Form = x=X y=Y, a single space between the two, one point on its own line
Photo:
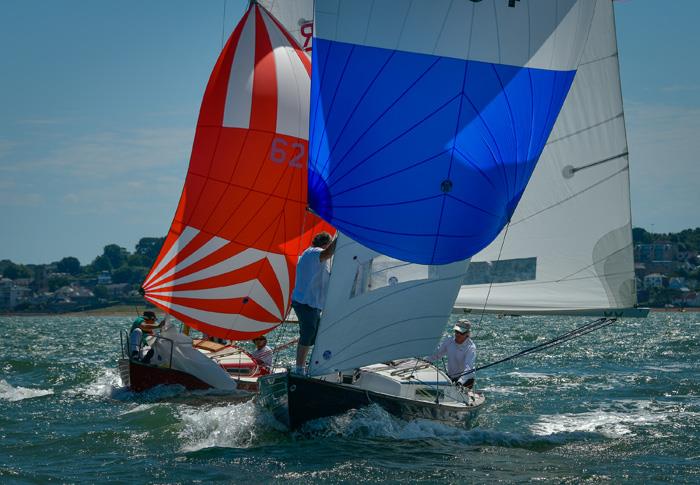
x=309 y=295
x=461 y=354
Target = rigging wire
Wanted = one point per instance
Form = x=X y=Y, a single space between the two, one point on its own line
x=565 y=337
x=493 y=273
x=223 y=25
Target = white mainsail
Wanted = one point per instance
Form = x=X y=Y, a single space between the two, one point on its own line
x=568 y=248
x=379 y=308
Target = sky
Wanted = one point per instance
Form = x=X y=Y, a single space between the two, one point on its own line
x=99 y=100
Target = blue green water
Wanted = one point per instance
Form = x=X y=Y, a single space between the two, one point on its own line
x=621 y=404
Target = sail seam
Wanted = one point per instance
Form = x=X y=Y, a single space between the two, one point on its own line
x=627 y=246
x=388 y=175
x=393 y=344
x=449 y=168
x=512 y=126
x=380 y=117
x=348 y=345
x=357 y=104
x=313 y=116
x=497 y=160
x=593 y=61
x=378 y=300
x=573 y=196
x=583 y=130
x=430 y=235
x=468 y=159
x=327 y=114
x=566 y=279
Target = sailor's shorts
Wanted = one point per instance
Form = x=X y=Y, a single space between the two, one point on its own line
x=308 y=322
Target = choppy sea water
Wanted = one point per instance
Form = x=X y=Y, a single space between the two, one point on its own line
x=621 y=404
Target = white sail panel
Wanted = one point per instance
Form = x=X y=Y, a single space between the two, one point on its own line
x=238 y=322
x=528 y=33
x=211 y=246
x=297 y=16
x=251 y=289
x=569 y=244
x=292 y=97
x=379 y=308
x=239 y=98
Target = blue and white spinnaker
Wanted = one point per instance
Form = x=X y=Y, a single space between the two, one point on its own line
x=428 y=117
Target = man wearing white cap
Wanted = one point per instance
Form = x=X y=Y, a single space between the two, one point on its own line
x=461 y=354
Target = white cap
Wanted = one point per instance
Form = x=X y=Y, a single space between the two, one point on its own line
x=463 y=326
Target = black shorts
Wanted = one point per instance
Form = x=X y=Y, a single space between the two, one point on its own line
x=308 y=322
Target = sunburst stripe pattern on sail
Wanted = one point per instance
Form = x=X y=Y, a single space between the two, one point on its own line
x=227 y=265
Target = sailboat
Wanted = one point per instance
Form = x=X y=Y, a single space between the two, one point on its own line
x=427 y=122
x=228 y=262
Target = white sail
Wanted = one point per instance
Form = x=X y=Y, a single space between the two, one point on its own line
x=297 y=16
x=379 y=308
x=568 y=247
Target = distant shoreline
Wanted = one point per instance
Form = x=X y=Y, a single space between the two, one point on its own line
x=110 y=311
x=692 y=309
x=131 y=311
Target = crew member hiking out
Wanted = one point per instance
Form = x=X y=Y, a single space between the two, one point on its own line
x=139 y=331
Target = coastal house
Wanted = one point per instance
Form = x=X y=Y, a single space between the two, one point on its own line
x=23 y=281
x=104 y=278
x=41 y=278
x=657 y=251
x=117 y=290
x=689 y=299
x=73 y=293
x=688 y=266
x=640 y=270
x=659 y=266
x=655 y=280
x=678 y=283
x=12 y=294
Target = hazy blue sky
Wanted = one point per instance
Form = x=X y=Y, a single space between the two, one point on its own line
x=99 y=100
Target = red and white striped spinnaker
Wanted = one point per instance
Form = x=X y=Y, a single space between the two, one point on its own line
x=228 y=262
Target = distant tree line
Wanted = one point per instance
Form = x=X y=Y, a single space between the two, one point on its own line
x=127 y=267
x=687 y=239
x=124 y=266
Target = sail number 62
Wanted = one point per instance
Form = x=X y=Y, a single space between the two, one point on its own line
x=283 y=151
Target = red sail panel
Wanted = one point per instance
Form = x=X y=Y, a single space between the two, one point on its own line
x=228 y=263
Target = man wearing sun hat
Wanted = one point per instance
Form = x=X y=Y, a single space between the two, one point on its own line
x=461 y=354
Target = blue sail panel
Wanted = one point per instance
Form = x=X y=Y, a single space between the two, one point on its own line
x=421 y=157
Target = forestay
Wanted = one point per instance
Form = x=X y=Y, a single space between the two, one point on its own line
x=428 y=117
x=228 y=262
x=379 y=308
x=569 y=245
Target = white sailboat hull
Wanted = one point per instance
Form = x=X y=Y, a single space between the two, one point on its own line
x=574 y=312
